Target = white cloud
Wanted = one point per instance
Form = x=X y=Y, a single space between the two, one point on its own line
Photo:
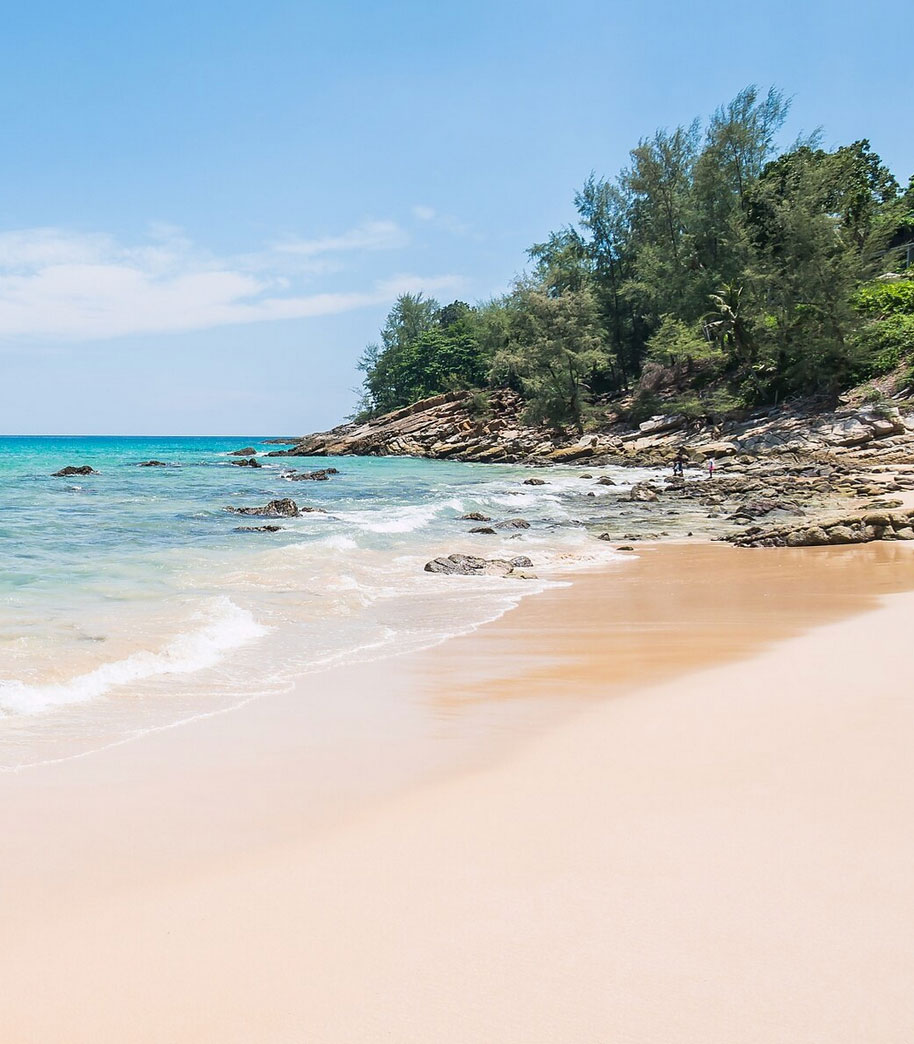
x=71 y=286
x=423 y=213
x=373 y=235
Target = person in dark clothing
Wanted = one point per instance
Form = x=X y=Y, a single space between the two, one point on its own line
x=679 y=462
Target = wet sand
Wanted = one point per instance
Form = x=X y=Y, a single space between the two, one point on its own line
x=667 y=802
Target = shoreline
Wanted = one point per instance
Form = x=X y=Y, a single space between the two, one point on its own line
x=128 y=835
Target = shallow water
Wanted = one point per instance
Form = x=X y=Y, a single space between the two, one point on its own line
x=130 y=601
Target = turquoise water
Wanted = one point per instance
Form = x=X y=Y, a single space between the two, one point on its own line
x=129 y=600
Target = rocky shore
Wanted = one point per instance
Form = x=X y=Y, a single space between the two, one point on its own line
x=788 y=476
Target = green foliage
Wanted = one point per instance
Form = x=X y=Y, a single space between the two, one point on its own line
x=710 y=268
x=425 y=349
x=555 y=346
x=885 y=298
x=882 y=344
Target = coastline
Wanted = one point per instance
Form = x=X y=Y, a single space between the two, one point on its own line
x=579 y=765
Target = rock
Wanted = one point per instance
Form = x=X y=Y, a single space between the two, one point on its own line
x=844 y=535
x=152 y=464
x=257 y=529
x=568 y=454
x=321 y=475
x=586 y=476
x=475 y=516
x=534 y=482
x=513 y=523
x=283 y=508
x=717 y=449
x=248 y=462
x=70 y=469
x=642 y=492
x=605 y=480
x=904 y=534
x=472 y=565
x=655 y=425
x=246 y=452
x=628 y=547
x=488 y=530
x=605 y=536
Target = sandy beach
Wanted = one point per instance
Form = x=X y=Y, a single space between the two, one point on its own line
x=669 y=801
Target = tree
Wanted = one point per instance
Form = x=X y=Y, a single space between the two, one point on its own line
x=555 y=346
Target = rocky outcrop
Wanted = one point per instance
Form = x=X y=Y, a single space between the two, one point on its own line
x=248 y=451
x=444 y=427
x=321 y=475
x=71 y=469
x=282 y=508
x=852 y=529
x=471 y=565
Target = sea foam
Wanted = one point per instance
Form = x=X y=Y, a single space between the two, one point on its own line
x=228 y=627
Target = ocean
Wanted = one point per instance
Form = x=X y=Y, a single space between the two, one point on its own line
x=130 y=601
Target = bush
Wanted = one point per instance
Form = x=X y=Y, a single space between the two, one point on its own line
x=882 y=344
x=884 y=298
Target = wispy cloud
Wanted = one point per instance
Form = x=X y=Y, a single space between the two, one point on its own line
x=73 y=286
x=373 y=235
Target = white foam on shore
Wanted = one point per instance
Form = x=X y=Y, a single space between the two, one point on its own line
x=227 y=628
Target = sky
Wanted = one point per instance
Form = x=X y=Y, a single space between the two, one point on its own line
x=207 y=209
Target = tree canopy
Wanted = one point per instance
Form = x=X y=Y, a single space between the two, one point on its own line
x=711 y=269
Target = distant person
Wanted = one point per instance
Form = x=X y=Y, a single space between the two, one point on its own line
x=710 y=467
x=679 y=463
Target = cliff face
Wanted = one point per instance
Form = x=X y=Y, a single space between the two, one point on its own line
x=446 y=427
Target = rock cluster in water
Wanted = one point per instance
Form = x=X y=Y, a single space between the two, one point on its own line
x=472 y=565
x=71 y=469
x=282 y=508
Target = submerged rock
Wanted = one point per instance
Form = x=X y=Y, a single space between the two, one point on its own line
x=604 y=480
x=152 y=464
x=248 y=462
x=246 y=452
x=488 y=530
x=257 y=529
x=71 y=469
x=513 y=523
x=535 y=482
x=475 y=516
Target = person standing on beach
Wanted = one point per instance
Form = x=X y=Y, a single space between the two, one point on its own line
x=710 y=467
x=679 y=462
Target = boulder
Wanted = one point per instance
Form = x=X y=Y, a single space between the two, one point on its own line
x=568 y=454
x=513 y=523
x=152 y=464
x=257 y=529
x=70 y=469
x=247 y=462
x=472 y=565
x=642 y=492
x=655 y=425
x=283 y=508
x=534 y=482
x=605 y=480
x=246 y=452
x=488 y=530
x=475 y=516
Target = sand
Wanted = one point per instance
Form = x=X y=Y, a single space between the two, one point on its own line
x=668 y=802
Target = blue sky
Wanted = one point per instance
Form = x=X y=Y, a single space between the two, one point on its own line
x=206 y=209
